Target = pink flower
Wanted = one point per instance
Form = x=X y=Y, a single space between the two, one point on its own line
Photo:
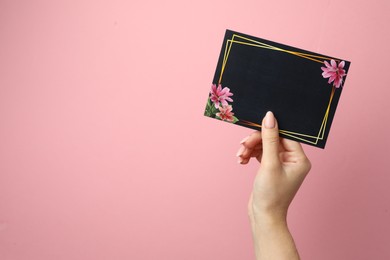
x=225 y=113
x=334 y=72
x=220 y=96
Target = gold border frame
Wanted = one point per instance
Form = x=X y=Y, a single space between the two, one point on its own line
x=312 y=57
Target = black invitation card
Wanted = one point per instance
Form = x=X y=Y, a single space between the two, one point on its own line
x=301 y=88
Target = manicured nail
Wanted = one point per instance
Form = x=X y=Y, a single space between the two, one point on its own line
x=244 y=140
x=269 y=121
x=240 y=151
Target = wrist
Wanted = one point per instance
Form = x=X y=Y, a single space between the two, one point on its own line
x=270 y=218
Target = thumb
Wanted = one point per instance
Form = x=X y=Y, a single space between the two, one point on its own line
x=270 y=136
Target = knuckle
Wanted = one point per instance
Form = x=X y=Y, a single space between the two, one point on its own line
x=307 y=164
x=272 y=138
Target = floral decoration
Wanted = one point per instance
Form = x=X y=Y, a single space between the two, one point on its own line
x=218 y=106
x=220 y=96
x=225 y=113
x=335 y=72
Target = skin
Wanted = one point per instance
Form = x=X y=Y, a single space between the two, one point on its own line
x=283 y=168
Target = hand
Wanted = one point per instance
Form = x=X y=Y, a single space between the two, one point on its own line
x=283 y=167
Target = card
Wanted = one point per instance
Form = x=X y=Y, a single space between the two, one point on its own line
x=300 y=87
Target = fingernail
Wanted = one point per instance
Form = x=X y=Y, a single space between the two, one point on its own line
x=239 y=161
x=244 y=140
x=240 y=151
x=269 y=121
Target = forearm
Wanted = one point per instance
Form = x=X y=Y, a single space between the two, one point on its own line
x=283 y=168
x=272 y=239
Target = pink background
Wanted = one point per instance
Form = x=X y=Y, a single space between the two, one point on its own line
x=105 y=152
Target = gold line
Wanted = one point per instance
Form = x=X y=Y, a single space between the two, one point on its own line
x=306 y=54
x=281 y=131
x=327 y=112
x=228 y=47
x=322 y=128
x=262 y=45
x=277 y=49
x=251 y=40
x=224 y=65
x=321 y=131
x=252 y=44
x=303 y=139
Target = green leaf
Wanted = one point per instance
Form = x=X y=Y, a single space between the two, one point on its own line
x=210 y=109
x=213 y=109
x=235 y=120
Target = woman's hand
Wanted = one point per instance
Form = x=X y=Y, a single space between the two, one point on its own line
x=283 y=167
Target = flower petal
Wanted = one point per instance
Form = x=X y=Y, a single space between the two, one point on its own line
x=333 y=63
x=327 y=74
x=219 y=89
x=333 y=77
x=334 y=71
x=342 y=73
x=214 y=88
x=337 y=82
